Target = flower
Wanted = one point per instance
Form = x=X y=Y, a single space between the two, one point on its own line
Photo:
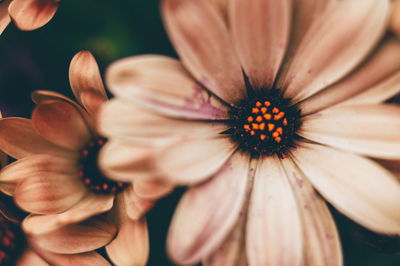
x=274 y=108
x=27 y=14
x=395 y=17
x=56 y=178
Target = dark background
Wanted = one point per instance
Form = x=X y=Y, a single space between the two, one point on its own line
x=111 y=30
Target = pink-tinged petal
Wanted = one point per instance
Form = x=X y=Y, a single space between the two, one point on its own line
x=321 y=238
x=92 y=102
x=377 y=79
x=29 y=258
x=202 y=40
x=15 y=172
x=152 y=188
x=163 y=85
x=207 y=213
x=87 y=207
x=4 y=16
x=137 y=123
x=131 y=246
x=274 y=228
x=32 y=14
x=371 y=130
x=333 y=45
x=60 y=123
x=135 y=207
x=77 y=238
x=358 y=187
x=84 y=75
x=49 y=192
x=87 y=259
x=394 y=23
x=190 y=161
x=222 y=7
x=19 y=139
x=260 y=32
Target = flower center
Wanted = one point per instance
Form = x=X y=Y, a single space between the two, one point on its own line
x=12 y=242
x=265 y=124
x=90 y=172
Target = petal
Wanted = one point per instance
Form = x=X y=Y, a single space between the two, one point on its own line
x=207 y=213
x=135 y=207
x=321 y=59
x=18 y=139
x=90 y=258
x=60 y=123
x=379 y=75
x=77 y=238
x=49 y=192
x=356 y=186
x=394 y=23
x=152 y=188
x=273 y=230
x=29 y=258
x=321 y=238
x=89 y=206
x=138 y=123
x=191 y=161
x=32 y=14
x=260 y=32
x=173 y=92
x=367 y=129
x=202 y=41
x=4 y=16
x=84 y=75
x=92 y=102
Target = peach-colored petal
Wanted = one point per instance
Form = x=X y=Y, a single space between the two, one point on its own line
x=378 y=77
x=208 y=212
x=30 y=258
x=260 y=32
x=131 y=246
x=32 y=14
x=135 y=207
x=191 y=161
x=222 y=7
x=4 y=16
x=201 y=38
x=274 y=228
x=137 y=123
x=77 y=238
x=174 y=92
x=151 y=188
x=12 y=174
x=60 y=123
x=394 y=22
x=92 y=102
x=321 y=238
x=333 y=45
x=84 y=75
x=86 y=259
x=367 y=129
x=19 y=139
x=356 y=186
x=87 y=207
x=49 y=192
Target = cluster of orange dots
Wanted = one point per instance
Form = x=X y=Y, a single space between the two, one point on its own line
x=263 y=119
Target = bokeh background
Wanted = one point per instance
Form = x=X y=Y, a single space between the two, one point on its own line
x=110 y=30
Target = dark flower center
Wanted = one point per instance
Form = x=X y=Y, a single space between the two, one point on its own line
x=90 y=173
x=265 y=124
x=12 y=242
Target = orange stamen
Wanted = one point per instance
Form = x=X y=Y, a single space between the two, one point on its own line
x=275 y=134
x=262 y=137
x=267 y=103
x=246 y=127
x=250 y=119
x=258 y=104
x=268 y=116
x=255 y=110
x=275 y=110
x=285 y=122
x=259 y=118
x=271 y=127
x=279 y=130
x=278 y=139
x=262 y=126
x=263 y=110
x=254 y=126
x=252 y=133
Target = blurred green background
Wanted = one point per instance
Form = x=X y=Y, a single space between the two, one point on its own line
x=111 y=30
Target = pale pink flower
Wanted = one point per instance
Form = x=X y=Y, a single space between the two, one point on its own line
x=276 y=106
x=74 y=208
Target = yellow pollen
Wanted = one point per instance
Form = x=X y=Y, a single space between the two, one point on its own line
x=262 y=126
x=263 y=110
x=268 y=116
x=254 y=126
x=258 y=104
x=246 y=127
x=259 y=119
x=271 y=126
x=262 y=137
x=278 y=139
x=255 y=110
x=252 y=133
x=250 y=119
x=275 y=134
x=275 y=110
x=267 y=103
x=279 y=130
x=285 y=122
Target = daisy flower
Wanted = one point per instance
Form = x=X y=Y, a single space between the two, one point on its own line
x=27 y=14
x=56 y=178
x=274 y=107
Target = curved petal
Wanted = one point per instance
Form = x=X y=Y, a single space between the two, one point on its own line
x=4 y=16
x=207 y=213
x=60 y=123
x=260 y=33
x=92 y=102
x=77 y=238
x=32 y=14
x=321 y=59
x=356 y=186
x=202 y=41
x=49 y=192
x=19 y=139
x=90 y=258
x=372 y=130
x=394 y=23
x=134 y=206
x=378 y=77
x=152 y=188
x=191 y=161
x=29 y=258
x=321 y=238
x=89 y=206
x=84 y=75
x=273 y=230
x=163 y=85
